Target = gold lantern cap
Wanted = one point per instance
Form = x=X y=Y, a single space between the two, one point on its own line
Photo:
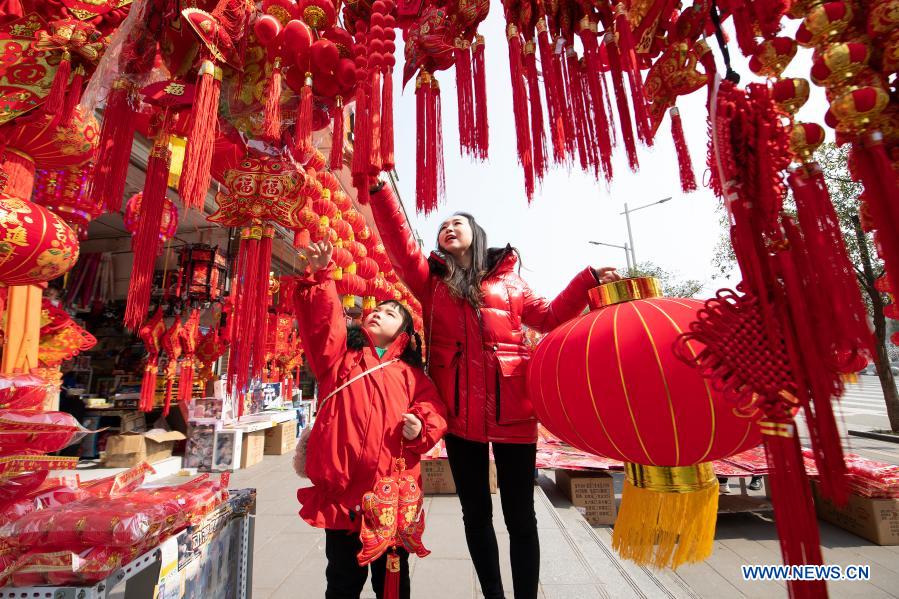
x=625 y=290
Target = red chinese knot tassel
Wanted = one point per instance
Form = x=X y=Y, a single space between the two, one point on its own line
x=684 y=163
x=195 y=175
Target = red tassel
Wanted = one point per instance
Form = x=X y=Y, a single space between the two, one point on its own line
x=624 y=113
x=263 y=299
x=336 y=158
x=148 y=385
x=169 y=391
x=537 y=135
x=56 y=98
x=271 y=116
x=116 y=136
x=303 y=139
x=374 y=112
x=576 y=99
x=392 y=579
x=482 y=128
x=436 y=151
x=73 y=97
x=794 y=511
x=244 y=308
x=553 y=88
x=361 y=141
x=186 y=381
x=590 y=128
x=465 y=96
x=301 y=239
x=569 y=128
x=422 y=90
x=685 y=165
x=388 y=159
x=520 y=109
x=880 y=197
x=627 y=52
x=593 y=75
x=146 y=239
x=195 y=174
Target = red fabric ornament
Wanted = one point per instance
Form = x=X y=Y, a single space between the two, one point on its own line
x=151 y=334
x=684 y=163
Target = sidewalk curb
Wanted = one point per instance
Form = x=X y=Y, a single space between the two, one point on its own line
x=877 y=436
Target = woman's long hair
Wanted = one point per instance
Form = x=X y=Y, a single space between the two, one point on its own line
x=465 y=283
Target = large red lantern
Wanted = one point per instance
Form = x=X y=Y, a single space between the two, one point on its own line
x=35 y=245
x=608 y=382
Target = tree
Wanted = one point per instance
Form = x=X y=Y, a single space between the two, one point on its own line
x=844 y=193
x=671 y=285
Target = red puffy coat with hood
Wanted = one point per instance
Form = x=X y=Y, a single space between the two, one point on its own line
x=358 y=432
x=478 y=357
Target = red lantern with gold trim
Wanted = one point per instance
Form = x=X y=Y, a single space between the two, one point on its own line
x=609 y=382
x=35 y=245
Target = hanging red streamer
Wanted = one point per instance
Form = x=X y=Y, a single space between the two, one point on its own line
x=335 y=160
x=684 y=163
x=594 y=78
x=195 y=173
x=538 y=138
x=388 y=159
x=624 y=113
x=271 y=115
x=465 y=97
x=116 y=135
x=554 y=90
x=628 y=57
x=520 y=109
x=482 y=127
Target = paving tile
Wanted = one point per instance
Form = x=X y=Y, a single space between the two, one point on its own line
x=262 y=593
x=276 y=559
x=572 y=591
x=559 y=562
x=444 y=578
x=445 y=536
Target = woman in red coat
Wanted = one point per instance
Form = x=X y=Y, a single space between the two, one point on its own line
x=392 y=410
x=475 y=306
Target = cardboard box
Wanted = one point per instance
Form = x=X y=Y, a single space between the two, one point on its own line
x=437 y=478
x=134 y=422
x=253 y=448
x=592 y=493
x=130 y=449
x=281 y=438
x=874 y=519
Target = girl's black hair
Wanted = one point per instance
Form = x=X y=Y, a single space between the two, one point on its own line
x=465 y=283
x=412 y=354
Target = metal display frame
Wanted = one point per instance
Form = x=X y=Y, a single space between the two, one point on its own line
x=138 y=578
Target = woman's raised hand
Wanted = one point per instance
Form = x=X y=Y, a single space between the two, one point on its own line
x=606 y=274
x=318 y=255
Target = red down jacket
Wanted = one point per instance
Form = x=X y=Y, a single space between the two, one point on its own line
x=358 y=432
x=478 y=358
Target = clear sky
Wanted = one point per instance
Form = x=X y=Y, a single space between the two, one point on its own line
x=571 y=208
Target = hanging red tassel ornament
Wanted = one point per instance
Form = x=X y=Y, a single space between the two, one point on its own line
x=587 y=31
x=271 y=116
x=479 y=76
x=151 y=334
x=578 y=109
x=116 y=136
x=520 y=109
x=465 y=96
x=335 y=161
x=56 y=98
x=628 y=57
x=146 y=240
x=538 y=138
x=685 y=165
x=195 y=173
x=388 y=158
x=423 y=201
x=73 y=97
x=554 y=90
x=303 y=140
x=624 y=113
x=374 y=161
x=392 y=577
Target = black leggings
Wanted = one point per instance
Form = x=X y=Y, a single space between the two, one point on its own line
x=346 y=578
x=515 y=463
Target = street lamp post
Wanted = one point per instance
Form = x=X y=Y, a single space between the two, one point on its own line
x=627 y=253
x=627 y=218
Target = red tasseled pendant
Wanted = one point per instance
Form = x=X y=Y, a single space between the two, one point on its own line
x=520 y=109
x=685 y=165
x=435 y=150
x=73 y=97
x=553 y=88
x=195 y=174
x=169 y=392
x=465 y=96
x=881 y=192
x=335 y=161
x=624 y=113
x=593 y=75
x=537 y=136
x=303 y=138
x=271 y=116
x=374 y=111
x=590 y=130
x=116 y=136
x=56 y=98
x=263 y=299
x=576 y=99
x=186 y=381
x=388 y=159
x=301 y=239
x=148 y=385
x=392 y=578
x=482 y=127
x=794 y=511
x=361 y=141
x=569 y=128
x=146 y=239
x=628 y=56
x=422 y=90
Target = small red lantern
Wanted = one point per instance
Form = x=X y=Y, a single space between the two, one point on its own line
x=35 y=245
x=167 y=228
x=805 y=138
x=609 y=382
x=790 y=94
x=205 y=269
x=773 y=56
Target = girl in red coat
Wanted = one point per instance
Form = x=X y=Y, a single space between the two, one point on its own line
x=378 y=405
x=475 y=306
